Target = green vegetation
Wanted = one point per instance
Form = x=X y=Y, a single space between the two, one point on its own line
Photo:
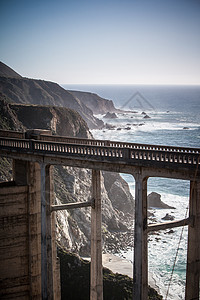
x=75 y=281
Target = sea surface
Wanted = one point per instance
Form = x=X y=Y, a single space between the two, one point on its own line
x=174 y=119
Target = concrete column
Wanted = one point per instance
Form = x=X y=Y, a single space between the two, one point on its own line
x=193 y=252
x=34 y=227
x=140 y=271
x=46 y=234
x=44 y=283
x=96 y=273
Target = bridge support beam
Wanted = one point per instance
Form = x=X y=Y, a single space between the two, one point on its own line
x=193 y=252
x=46 y=234
x=140 y=271
x=96 y=272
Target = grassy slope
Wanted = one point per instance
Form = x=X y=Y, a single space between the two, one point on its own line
x=75 y=281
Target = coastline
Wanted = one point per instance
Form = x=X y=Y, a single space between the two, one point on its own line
x=123 y=266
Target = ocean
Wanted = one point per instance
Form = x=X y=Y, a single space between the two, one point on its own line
x=161 y=115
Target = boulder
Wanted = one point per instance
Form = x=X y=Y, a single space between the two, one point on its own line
x=154 y=200
x=168 y=217
x=118 y=192
x=147 y=117
x=110 y=116
x=109 y=126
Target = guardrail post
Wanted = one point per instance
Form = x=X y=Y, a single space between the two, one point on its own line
x=193 y=252
x=126 y=153
x=140 y=270
x=96 y=273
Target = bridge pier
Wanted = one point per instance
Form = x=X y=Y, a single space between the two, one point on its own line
x=46 y=231
x=140 y=271
x=193 y=252
x=96 y=271
x=49 y=264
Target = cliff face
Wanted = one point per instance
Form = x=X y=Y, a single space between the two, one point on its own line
x=18 y=89
x=40 y=92
x=6 y=71
x=97 y=104
x=8 y=118
x=60 y=120
x=73 y=184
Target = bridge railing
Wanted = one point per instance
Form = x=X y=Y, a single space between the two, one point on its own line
x=139 y=154
x=15 y=144
x=118 y=144
x=12 y=134
x=103 y=143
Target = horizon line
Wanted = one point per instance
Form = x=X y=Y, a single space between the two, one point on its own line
x=150 y=84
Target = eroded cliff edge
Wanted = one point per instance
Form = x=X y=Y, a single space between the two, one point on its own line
x=74 y=184
x=18 y=89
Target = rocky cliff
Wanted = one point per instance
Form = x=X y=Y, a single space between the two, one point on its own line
x=6 y=71
x=73 y=184
x=17 y=89
x=40 y=92
x=96 y=103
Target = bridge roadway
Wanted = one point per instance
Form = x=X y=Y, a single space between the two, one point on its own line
x=155 y=160
x=141 y=161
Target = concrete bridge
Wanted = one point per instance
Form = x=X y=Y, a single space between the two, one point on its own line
x=33 y=154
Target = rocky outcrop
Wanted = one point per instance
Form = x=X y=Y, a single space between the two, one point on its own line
x=168 y=217
x=74 y=184
x=110 y=116
x=40 y=92
x=118 y=192
x=8 y=117
x=147 y=117
x=96 y=103
x=60 y=120
x=6 y=71
x=154 y=201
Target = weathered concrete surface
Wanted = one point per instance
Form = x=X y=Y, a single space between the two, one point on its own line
x=14 y=250
x=96 y=277
x=20 y=235
x=193 y=252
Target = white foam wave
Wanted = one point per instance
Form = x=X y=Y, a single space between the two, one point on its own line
x=127 y=124
x=162 y=247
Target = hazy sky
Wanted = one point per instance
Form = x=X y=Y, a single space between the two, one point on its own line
x=107 y=41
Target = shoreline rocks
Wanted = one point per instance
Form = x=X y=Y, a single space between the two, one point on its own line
x=168 y=217
x=154 y=201
x=110 y=116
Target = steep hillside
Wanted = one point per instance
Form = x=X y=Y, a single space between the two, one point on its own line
x=40 y=92
x=60 y=120
x=72 y=184
x=6 y=71
x=75 y=281
x=97 y=104
x=18 y=89
x=8 y=118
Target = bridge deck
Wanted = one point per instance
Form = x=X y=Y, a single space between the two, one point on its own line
x=58 y=150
